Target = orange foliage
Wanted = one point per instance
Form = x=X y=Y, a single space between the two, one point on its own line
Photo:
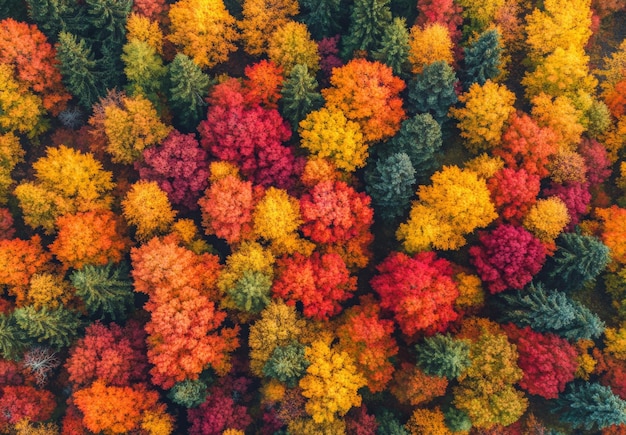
x=616 y=99
x=21 y=259
x=428 y=422
x=412 y=386
x=614 y=232
x=263 y=81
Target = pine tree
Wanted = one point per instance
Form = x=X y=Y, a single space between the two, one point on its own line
x=79 y=69
x=443 y=356
x=56 y=327
x=251 y=292
x=394 y=47
x=299 y=95
x=550 y=311
x=322 y=17
x=483 y=58
x=188 y=393
x=389 y=424
x=188 y=89
x=590 y=406
x=368 y=21
x=144 y=70
x=51 y=15
x=12 y=338
x=15 y=9
x=287 y=364
x=106 y=290
x=432 y=91
x=390 y=183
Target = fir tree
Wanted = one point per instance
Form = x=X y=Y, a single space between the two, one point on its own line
x=188 y=89
x=322 y=17
x=188 y=393
x=144 y=70
x=590 y=406
x=251 y=292
x=457 y=420
x=79 y=71
x=106 y=290
x=12 y=338
x=390 y=183
x=51 y=15
x=56 y=327
x=443 y=356
x=299 y=95
x=388 y=424
x=432 y=91
x=287 y=364
x=15 y=9
x=394 y=47
x=368 y=21
x=483 y=58
x=550 y=311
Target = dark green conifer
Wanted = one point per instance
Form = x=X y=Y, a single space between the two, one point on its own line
x=12 y=338
x=443 y=356
x=188 y=88
x=483 y=58
x=322 y=17
x=56 y=327
x=368 y=21
x=457 y=420
x=432 y=91
x=389 y=181
x=299 y=95
x=394 y=47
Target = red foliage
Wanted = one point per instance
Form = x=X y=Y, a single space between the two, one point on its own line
x=6 y=224
x=444 y=12
x=10 y=373
x=507 y=257
x=576 y=197
x=25 y=48
x=179 y=166
x=596 y=160
x=419 y=290
x=614 y=375
x=547 y=360
x=614 y=430
x=113 y=354
x=153 y=9
x=220 y=411
x=616 y=99
x=329 y=54
x=359 y=422
x=72 y=423
x=18 y=402
x=513 y=192
x=249 y=136
x=263 y=81
x=319 y=282
x=526 y=145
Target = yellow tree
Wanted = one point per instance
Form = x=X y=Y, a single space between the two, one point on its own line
x=485 y=113
x=147 y=208
x=428 y=45
x=141 y=28
x=261 y=18
x=561 y=116
x=480 y=13
x=546 y=219
x=292 y=45
x=204 y=30
x=11 y=153
x=21 y=111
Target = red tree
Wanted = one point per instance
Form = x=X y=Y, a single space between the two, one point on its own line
x=445 y=12
x=576 y=197
x=319 y=282
x=6 y=224
x=360 y=422
x=547 y=360
x=513 y=192
x=419 y=290
x=507 y=257
x=329 y=54
x=18 y=402
x=264 y=80
x=596 y=160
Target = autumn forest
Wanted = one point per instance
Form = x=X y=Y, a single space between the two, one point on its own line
x=313 y=217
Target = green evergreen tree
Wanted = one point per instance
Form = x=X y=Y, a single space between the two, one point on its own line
x=420 y=138
x=550 y=311
x=15 y=9
x=483 y=58
x=79 y=71
x=287 y=364
x=577 y=260
x=443 y=356
x=390 y=183
x=299 y=95
x=457 y=420
x=188 y=393
x=12 y=338
x=106 y=290
x=388 y=424
x=322 y=17
x=108 y=19
x=252 y=292
x=188 y=89
x=394 y=47
x=590 y=406
x=432 y=91
x=144 y=70
x=368 y=21
x=51 y=16
x=56 y=327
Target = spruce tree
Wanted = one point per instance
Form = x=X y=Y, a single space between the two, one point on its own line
x=287 y=364
x=15 y=9
x=394 y=47
x=188 y=393
x=389 y=181
x=251 y=292
x=51 y=16
x=106 y=290
x=590 y=406
x=432 y=91
x=56 y=327
x=299 y=95
x=322 y=17
x=12 y=339
x=144 y=70
x=188 y=89
x=368 y=21
x=443 y=356
x=483 y=58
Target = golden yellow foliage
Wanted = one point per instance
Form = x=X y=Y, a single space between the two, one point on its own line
x=307 y=426
x=25 y=427
x=147 y=208
x=480 y=13
x=157 y=422
x=46 y=290
x=586 y=363
x=485 y=165
x=615 y=341
x=261 y=18
x=547 y=218
x=427 y=422
x=317 y=170
x=272 y=391
x=471 y=293
x=11 y=153
x=615 y=139
x=292 y=45
x=142 y=29
x=428 y=45
x=222 y=169
x=21 y=111
x=561 y=116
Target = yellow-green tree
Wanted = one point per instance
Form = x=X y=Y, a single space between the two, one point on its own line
x=11 y=153
x=480 y=13
x=66 y=181
x=455 y=204
x=292 y=45
x=147 y=208
x=261 y=18
x=483 y=118
x=143 y=29
x=329 y=134
x=331 y=383
x=21 y=111
x=429 y=44
x=204 y=30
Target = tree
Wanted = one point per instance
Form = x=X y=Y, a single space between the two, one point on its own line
x=550 y=311
x=368 y=21
x=561 y=116
x=479 y=14
x=389 y=182
x=548 y=361
x=483 y=58
x=329 y=134
x=429 y=44
x=13 y=340
x=20 y=260
x=394 y=47
x=331 y=382
x=351 y=91
x=144 y=70
x=319 y=282
x=456 y=203
x=567 y=167
x=204 y=29
x=484 y=116
x=179 y=166
x=299 y=95
x=612 y=234
x=427 y=422
x=412 y=386
x=104 y=289
x=24 y=402
x=419 y=291
x=46 y=290
x=188 y=393
x=56 y=327
x=513 y=192
x=263 y=83
x=261 y=18
x=251 y=292
x=21 y=111
x=188 y=88
x=287 y=364
x=507 y=258
x=590 y=405
x=11 y=153
x=443 y=356
x=575 y=196
x=546 y=219
x=140 y=27
x=444 y=12
x=432 y=91
x=147 y=208
x=291 y=45
x=596 y=161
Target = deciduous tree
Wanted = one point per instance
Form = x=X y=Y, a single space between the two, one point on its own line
x=428 y=44
x=513 y=192
x=291 y=45
x=147 y=207
x=261 y=18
